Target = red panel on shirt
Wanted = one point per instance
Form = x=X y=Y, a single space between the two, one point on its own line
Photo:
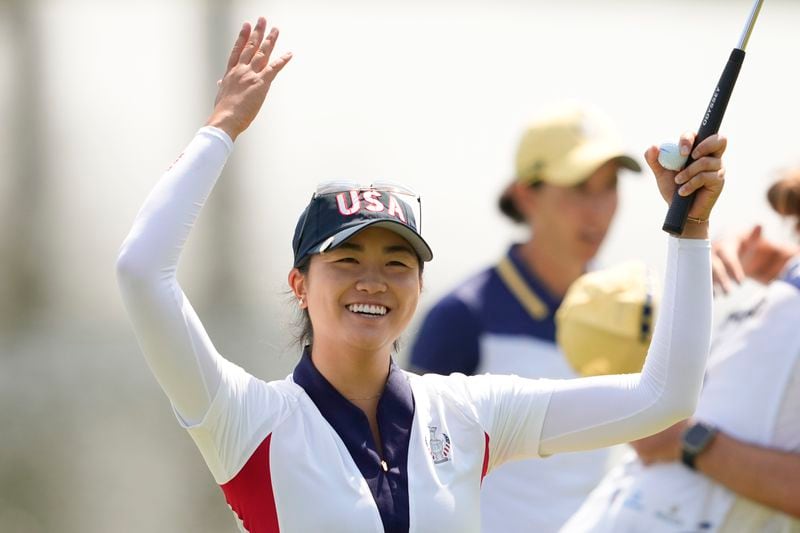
x=485 y=457
x=250 y=494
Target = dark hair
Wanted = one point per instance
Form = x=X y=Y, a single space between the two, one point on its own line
x=305 y=330
x=507 y=205
x=784 y=195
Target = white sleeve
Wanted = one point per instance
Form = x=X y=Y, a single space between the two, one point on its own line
x=509 y=409
x=601 y=411
x=174 y=342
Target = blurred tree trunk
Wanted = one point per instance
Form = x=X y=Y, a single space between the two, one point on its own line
x=23 y=232
x=223 y=211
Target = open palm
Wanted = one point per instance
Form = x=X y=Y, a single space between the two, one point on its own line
x=248 y=76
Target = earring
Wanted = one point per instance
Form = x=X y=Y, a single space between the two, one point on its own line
x=301 y=301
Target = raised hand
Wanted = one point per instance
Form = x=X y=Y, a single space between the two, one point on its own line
x=726 y=265
x=248 y=76
x=706 y=175
x=748 y=254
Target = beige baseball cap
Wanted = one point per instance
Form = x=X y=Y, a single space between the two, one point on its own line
x=605 y=322
x=564 y=147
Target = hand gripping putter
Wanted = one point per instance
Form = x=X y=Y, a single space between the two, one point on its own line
x=679 y=208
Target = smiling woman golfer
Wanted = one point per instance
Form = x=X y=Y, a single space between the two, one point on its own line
x=349 y=442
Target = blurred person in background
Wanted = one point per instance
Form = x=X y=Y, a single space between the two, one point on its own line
x=502 y=320
x=735 y=465
x=349 y=442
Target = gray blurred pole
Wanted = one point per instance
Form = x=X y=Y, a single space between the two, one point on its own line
x=224 y=283
x=24 y=228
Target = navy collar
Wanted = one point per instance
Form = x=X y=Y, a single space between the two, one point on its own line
x=389 y=486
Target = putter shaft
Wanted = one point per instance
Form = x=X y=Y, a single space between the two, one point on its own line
x=748 y=28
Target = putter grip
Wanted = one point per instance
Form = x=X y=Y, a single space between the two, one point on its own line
x=679 y=207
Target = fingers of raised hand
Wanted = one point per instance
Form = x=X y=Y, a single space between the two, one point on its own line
x=238 y=46
x=704 y=164
x=711 y=180
x=714 y=145
x=261 y=57
x=253 y=42
x=664 y=177
x=686 y=142
x=651 y=156
x=276 y=66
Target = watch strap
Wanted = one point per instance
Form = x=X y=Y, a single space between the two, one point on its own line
x=688 y=458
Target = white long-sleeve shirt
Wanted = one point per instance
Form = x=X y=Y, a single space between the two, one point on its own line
x=295 y=455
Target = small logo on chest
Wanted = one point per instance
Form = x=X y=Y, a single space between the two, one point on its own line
x=439 y=447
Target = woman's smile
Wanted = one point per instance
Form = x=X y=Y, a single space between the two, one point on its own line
x=370 y=310
x=365 y=291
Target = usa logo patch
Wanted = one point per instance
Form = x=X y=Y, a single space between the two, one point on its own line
x=439 y=447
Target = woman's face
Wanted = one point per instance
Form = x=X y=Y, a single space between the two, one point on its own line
x=362 y=294
x=574 y=220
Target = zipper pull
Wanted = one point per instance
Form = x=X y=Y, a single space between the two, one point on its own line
x=384 y=466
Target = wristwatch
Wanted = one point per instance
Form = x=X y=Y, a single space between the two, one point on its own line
x=694 y=441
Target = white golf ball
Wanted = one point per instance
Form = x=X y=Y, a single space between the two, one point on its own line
x=669 y=156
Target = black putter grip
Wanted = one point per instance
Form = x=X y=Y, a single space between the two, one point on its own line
x=679 y=208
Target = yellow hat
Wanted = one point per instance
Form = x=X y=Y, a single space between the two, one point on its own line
x=564 y=147
x=605 y=323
